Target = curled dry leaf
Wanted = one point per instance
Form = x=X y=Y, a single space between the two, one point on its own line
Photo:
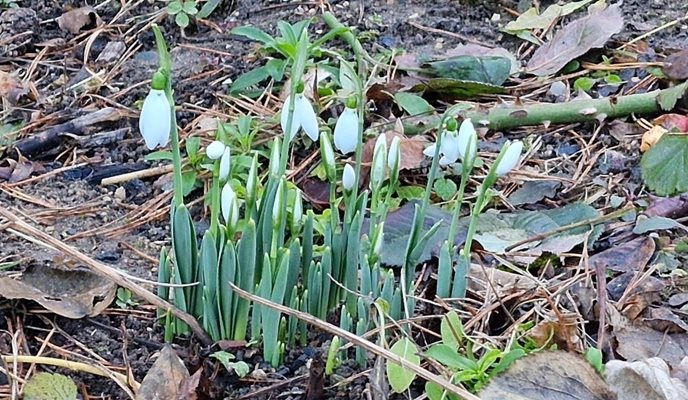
x=11 y=88
x=70 y=293
x=563 y=333
x=636 y=342
x=629 y=256
x=78 y=19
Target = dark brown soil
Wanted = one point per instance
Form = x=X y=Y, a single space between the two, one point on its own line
x=385 y=22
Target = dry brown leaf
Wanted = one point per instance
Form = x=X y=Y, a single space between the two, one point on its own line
x=70 y=293
x=78 y=19
x=555 y=375
x=676 y=66
x=636 y=342
x=165 y=378
x=629 y=256
x=648 y=380
x=575 y=39
x=562 y=333
x=639 y=297
x=664 y=320
x=11 y=88
x=673 y=122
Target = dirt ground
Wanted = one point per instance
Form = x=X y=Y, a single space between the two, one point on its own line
x=103 y=222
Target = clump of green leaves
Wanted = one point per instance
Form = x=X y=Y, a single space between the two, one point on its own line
x=466 y=364
x=125 y=299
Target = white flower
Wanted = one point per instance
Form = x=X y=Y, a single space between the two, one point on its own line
x=467 y=137
x=346 y=131
x=393 y=159
x=304 y=117
x=510 y=158
x=348 y=177
x=230 y=205
x=156 y=119
x=215 y=150
x=225 y=164
x=377 y=172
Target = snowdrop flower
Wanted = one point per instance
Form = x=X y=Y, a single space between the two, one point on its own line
x=346 y=131
x=510 y=158
x=468 y=141
x=304 y=117
x=449 y=148
x=156 y=119
x=377 y=172
x=348 y=177
x=225 y=164
x=328 y=157
x=393 y=159
x=229 y=205
x=215 y=150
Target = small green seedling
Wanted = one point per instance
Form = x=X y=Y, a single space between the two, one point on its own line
x=124 y=299
x=182 y=11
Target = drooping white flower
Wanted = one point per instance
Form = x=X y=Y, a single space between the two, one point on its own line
x=229 y=205
x=449 y=148
x=156 y=119
x=304 y=117
x=348 y=177
x=511 y=157
x=468 y=140
x=346 y=131
x=215 y=149
x=225 y=163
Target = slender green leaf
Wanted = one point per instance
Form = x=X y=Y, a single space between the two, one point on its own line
x=253 y=33
x=412 y=103
x=449 y=357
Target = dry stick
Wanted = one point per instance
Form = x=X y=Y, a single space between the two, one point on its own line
x=107 y=272
x=565 y=228
x=136 y=175
x=370 y=346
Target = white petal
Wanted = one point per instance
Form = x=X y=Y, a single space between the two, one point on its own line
x=295 y=125
x=430 y=151
x=155 y=120
x=511 y=157
x=346 y=131
x=394 y=153
x=307 y=117
x=450 y=147
x=377 y=172
x=466 y=132
x=348 y=177
x=225 y=164
x=228 y=203
x=215 y=150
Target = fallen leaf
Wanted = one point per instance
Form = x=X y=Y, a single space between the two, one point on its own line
x=548 y=375
x=636 y=342
x=187 y=390
x=563 y=333
x=678 y=299
x=629 y=256
x=575 y=39
x=676 y=66
x=70 y=293
x=639 y=297
x=672 y=122
x=481 y=280
x=532 y=20
x=533 y=191
x=621 y=130
x=647 y=379
x=164 y=380
x=671 y=207
x=47 y=386
x=646 y=224
x=11 y=88
x=664 y=320
x=315 y=191
x=78 y=19
x=651 y=137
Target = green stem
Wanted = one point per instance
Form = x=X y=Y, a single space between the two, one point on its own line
x=455 y=218
x=500 y=118
x=215 y=202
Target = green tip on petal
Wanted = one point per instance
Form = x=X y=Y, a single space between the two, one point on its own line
x=300 y=87
x=351 y=102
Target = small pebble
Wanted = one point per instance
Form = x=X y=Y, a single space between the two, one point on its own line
x=120 y=193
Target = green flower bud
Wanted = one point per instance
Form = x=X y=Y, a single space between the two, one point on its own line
x=159 y=81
